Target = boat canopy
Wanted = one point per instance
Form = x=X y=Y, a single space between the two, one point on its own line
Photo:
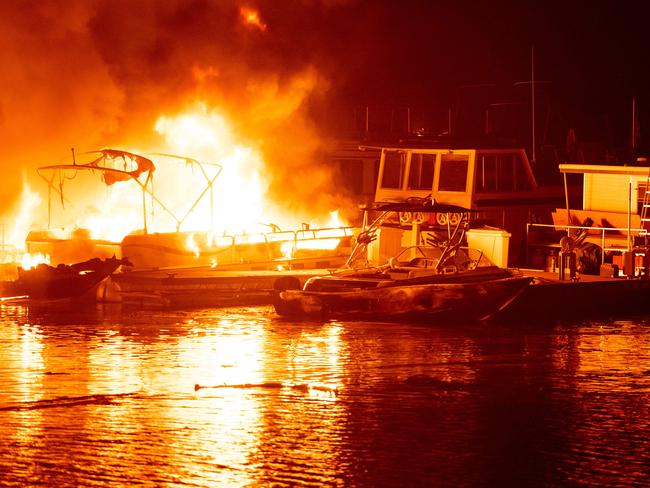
x=605 y=169
x=116 y=165
x=417 y=205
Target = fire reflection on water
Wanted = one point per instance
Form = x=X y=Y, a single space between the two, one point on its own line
x=110 y=397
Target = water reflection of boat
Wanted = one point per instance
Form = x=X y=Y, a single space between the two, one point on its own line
x=63 y=282
x=436 y=278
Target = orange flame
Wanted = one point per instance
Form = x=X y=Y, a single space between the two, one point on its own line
x=251 y=17
x=236 y=203
x=32 y=260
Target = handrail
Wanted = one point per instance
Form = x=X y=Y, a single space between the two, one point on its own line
x=289 y=236
x=601 y=230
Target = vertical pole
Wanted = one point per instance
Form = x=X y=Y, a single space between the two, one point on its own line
x=449 y=122
x=144 y=205
x=49 y=204
x=566 y=199
x=629 y=215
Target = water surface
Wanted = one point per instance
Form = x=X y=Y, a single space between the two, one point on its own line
x=240 y=397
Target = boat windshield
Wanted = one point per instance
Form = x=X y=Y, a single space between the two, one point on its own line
x=440 y=259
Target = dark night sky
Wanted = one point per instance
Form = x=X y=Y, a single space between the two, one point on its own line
x=591 y=54
x=92 y=73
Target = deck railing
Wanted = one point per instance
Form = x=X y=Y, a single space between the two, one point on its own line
x=605 y=236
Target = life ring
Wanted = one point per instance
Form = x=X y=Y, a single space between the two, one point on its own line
x=455 y=218
x=405 y=217
x=411 y=217
x=452 y=218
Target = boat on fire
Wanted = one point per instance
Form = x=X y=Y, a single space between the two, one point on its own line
x=437 y=279
x=59 y=283
x=184 y=267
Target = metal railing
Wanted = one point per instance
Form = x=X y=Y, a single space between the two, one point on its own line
x=621 y=233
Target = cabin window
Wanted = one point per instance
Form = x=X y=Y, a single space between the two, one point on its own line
x=394 y=166
x=522 y=181
x=487 y=174
x=421 y=172
x=501 y=173
x=453 y=173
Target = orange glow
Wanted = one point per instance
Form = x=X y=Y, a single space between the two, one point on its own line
x=234 y=210
x=13 y=235
x=29 y=261
x=191 y=245
x=251 y=17
x=239 y=190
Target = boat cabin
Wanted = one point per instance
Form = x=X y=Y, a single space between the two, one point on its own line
x=612 y=196
x=496 y=184
x=469 y=178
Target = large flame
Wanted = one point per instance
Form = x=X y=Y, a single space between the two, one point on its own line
x=16 y=227
x=236 y=203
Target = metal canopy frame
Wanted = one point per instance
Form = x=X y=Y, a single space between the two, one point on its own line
x=145 y=185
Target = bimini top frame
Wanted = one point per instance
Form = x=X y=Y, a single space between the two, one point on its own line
x=135 y=167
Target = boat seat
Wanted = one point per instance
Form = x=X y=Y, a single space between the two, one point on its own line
x=422 y=263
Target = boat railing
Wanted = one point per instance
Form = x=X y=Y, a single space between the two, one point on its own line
x=610 y=238
x=285 y=244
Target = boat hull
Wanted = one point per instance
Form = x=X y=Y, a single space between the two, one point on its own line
x=205 y=286
x=449 y=301
x=65 y=282
x=549 y=298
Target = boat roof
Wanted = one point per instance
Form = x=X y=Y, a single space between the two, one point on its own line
x=426 y=205
x=605 y=169
x=441 y=143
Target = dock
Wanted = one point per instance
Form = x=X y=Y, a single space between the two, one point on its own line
x=550 y=298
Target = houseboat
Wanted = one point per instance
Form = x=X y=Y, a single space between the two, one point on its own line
x=592 y=259
x=610 y=225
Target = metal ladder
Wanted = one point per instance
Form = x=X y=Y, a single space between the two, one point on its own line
x=645 y=212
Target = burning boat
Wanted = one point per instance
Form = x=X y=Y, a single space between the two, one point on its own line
x=58 y=283
x=244 y=269
x=438 y=278
x=188 y=268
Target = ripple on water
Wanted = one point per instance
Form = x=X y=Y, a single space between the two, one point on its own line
x=240 y=397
